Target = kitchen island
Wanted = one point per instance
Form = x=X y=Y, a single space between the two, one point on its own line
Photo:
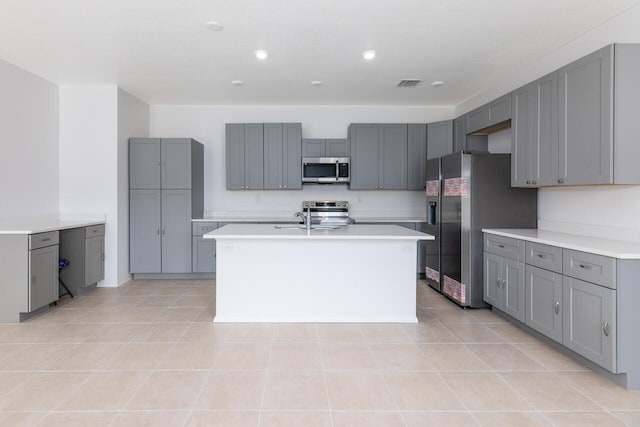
x=357 y=273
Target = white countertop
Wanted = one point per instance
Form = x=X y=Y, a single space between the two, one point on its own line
x=351 y=232
x=290 y=218
x=42 y=224
x=596 y=245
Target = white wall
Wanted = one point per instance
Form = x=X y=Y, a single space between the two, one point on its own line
x=28 y=143
x=133 y=121
x=206 y=124
x=88 y=161
x=615 y=206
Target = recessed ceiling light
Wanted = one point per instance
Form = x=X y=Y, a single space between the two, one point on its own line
x=262 y=54
x=214 y=26
x=317 y=83
x=237 y=82
x=437 y=83
x=369 y=54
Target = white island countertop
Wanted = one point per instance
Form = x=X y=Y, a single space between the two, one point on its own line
x=43 y=224
x=607 y=247
x=350 y=232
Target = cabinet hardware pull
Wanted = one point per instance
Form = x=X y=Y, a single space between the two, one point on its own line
x=163 y=231
x=543 y=256
x=585 y=266
x=557 y=307
x=501 y=246
x=46 y=240
x=504 y=283
x=528 y=182
x=605 y=329
x=560 y=181
x=498 y=282
x=533 y=182
x=158 y=231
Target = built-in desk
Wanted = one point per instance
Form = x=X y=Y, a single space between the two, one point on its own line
x=29 y=252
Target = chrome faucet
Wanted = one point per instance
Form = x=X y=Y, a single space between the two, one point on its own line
x=306 y=218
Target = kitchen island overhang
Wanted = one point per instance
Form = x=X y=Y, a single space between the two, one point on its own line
x=357 y=273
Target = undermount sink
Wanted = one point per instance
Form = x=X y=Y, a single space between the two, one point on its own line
x=303 y=227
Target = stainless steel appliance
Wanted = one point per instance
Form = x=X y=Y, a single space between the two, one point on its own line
x=328 y=212
x=325 y=170
x=474 y=193
x=434 y=209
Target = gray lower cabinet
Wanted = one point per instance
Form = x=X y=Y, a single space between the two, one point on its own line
x=282 y=156
x=417 y=156
x=84 y=248
x=439 y=139
x=503 y=284
x=544 y=302
x=589 y=321
x=204 y=250
x=244 y=156
x=43 y=271
x=379 y=156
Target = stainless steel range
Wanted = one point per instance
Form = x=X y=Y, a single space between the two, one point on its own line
x=328 y=212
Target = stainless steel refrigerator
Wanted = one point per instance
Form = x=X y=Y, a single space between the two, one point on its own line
x=434 y=205
x=474 y=192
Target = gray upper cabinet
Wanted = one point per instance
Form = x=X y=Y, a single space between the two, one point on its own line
x=534 y=133
x=282 y=156
x=439 y=139
x=244 y=156
x=459 y=134
x=314 y=147
x=379 y=156
x=156 y=162
x=586 y=119
x=496 y=111
x=417 y=156
x=337 y=147
x=160 y=217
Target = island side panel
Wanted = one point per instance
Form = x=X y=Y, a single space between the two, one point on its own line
x=262 y=280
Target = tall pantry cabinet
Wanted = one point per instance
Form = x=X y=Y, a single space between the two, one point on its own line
x=166 y=180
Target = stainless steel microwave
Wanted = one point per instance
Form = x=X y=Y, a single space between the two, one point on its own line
x=325 y=170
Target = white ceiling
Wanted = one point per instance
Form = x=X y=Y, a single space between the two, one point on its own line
x=162 y=52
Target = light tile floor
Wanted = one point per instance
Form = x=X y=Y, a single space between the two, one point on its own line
x=147 y=354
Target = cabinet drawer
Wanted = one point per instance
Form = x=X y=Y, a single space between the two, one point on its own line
x=200 y=228
x=42 y=240
x=504 y=246
x=544 y=256
x=597 y=269
x=94 y=231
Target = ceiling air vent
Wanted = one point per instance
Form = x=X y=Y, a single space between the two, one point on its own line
x=409 y=83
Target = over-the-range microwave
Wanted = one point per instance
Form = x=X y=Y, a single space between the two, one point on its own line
x=325 y=170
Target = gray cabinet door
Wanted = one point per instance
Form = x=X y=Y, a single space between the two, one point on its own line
x=234 y=156
x=439 y=139
x=176 y=163
x=492 y=279
x=144 y=231
x=292 y=156
x=43 y=276
x=498 y=110
x=144 y=163
x=522 y=118
x=337 y=147
x=313 y=147
x=94 y=260
x=176 y=231
x=543 y=149
x=586 y=116
x=365 y=159
x=393 y=157
x=513 y=291
x=417 y=157
x=589 y=321
x=477 y=119
x=253 y=156
x=544 y=307
x=460 y=134
x=204 y=255
x=273 y=155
